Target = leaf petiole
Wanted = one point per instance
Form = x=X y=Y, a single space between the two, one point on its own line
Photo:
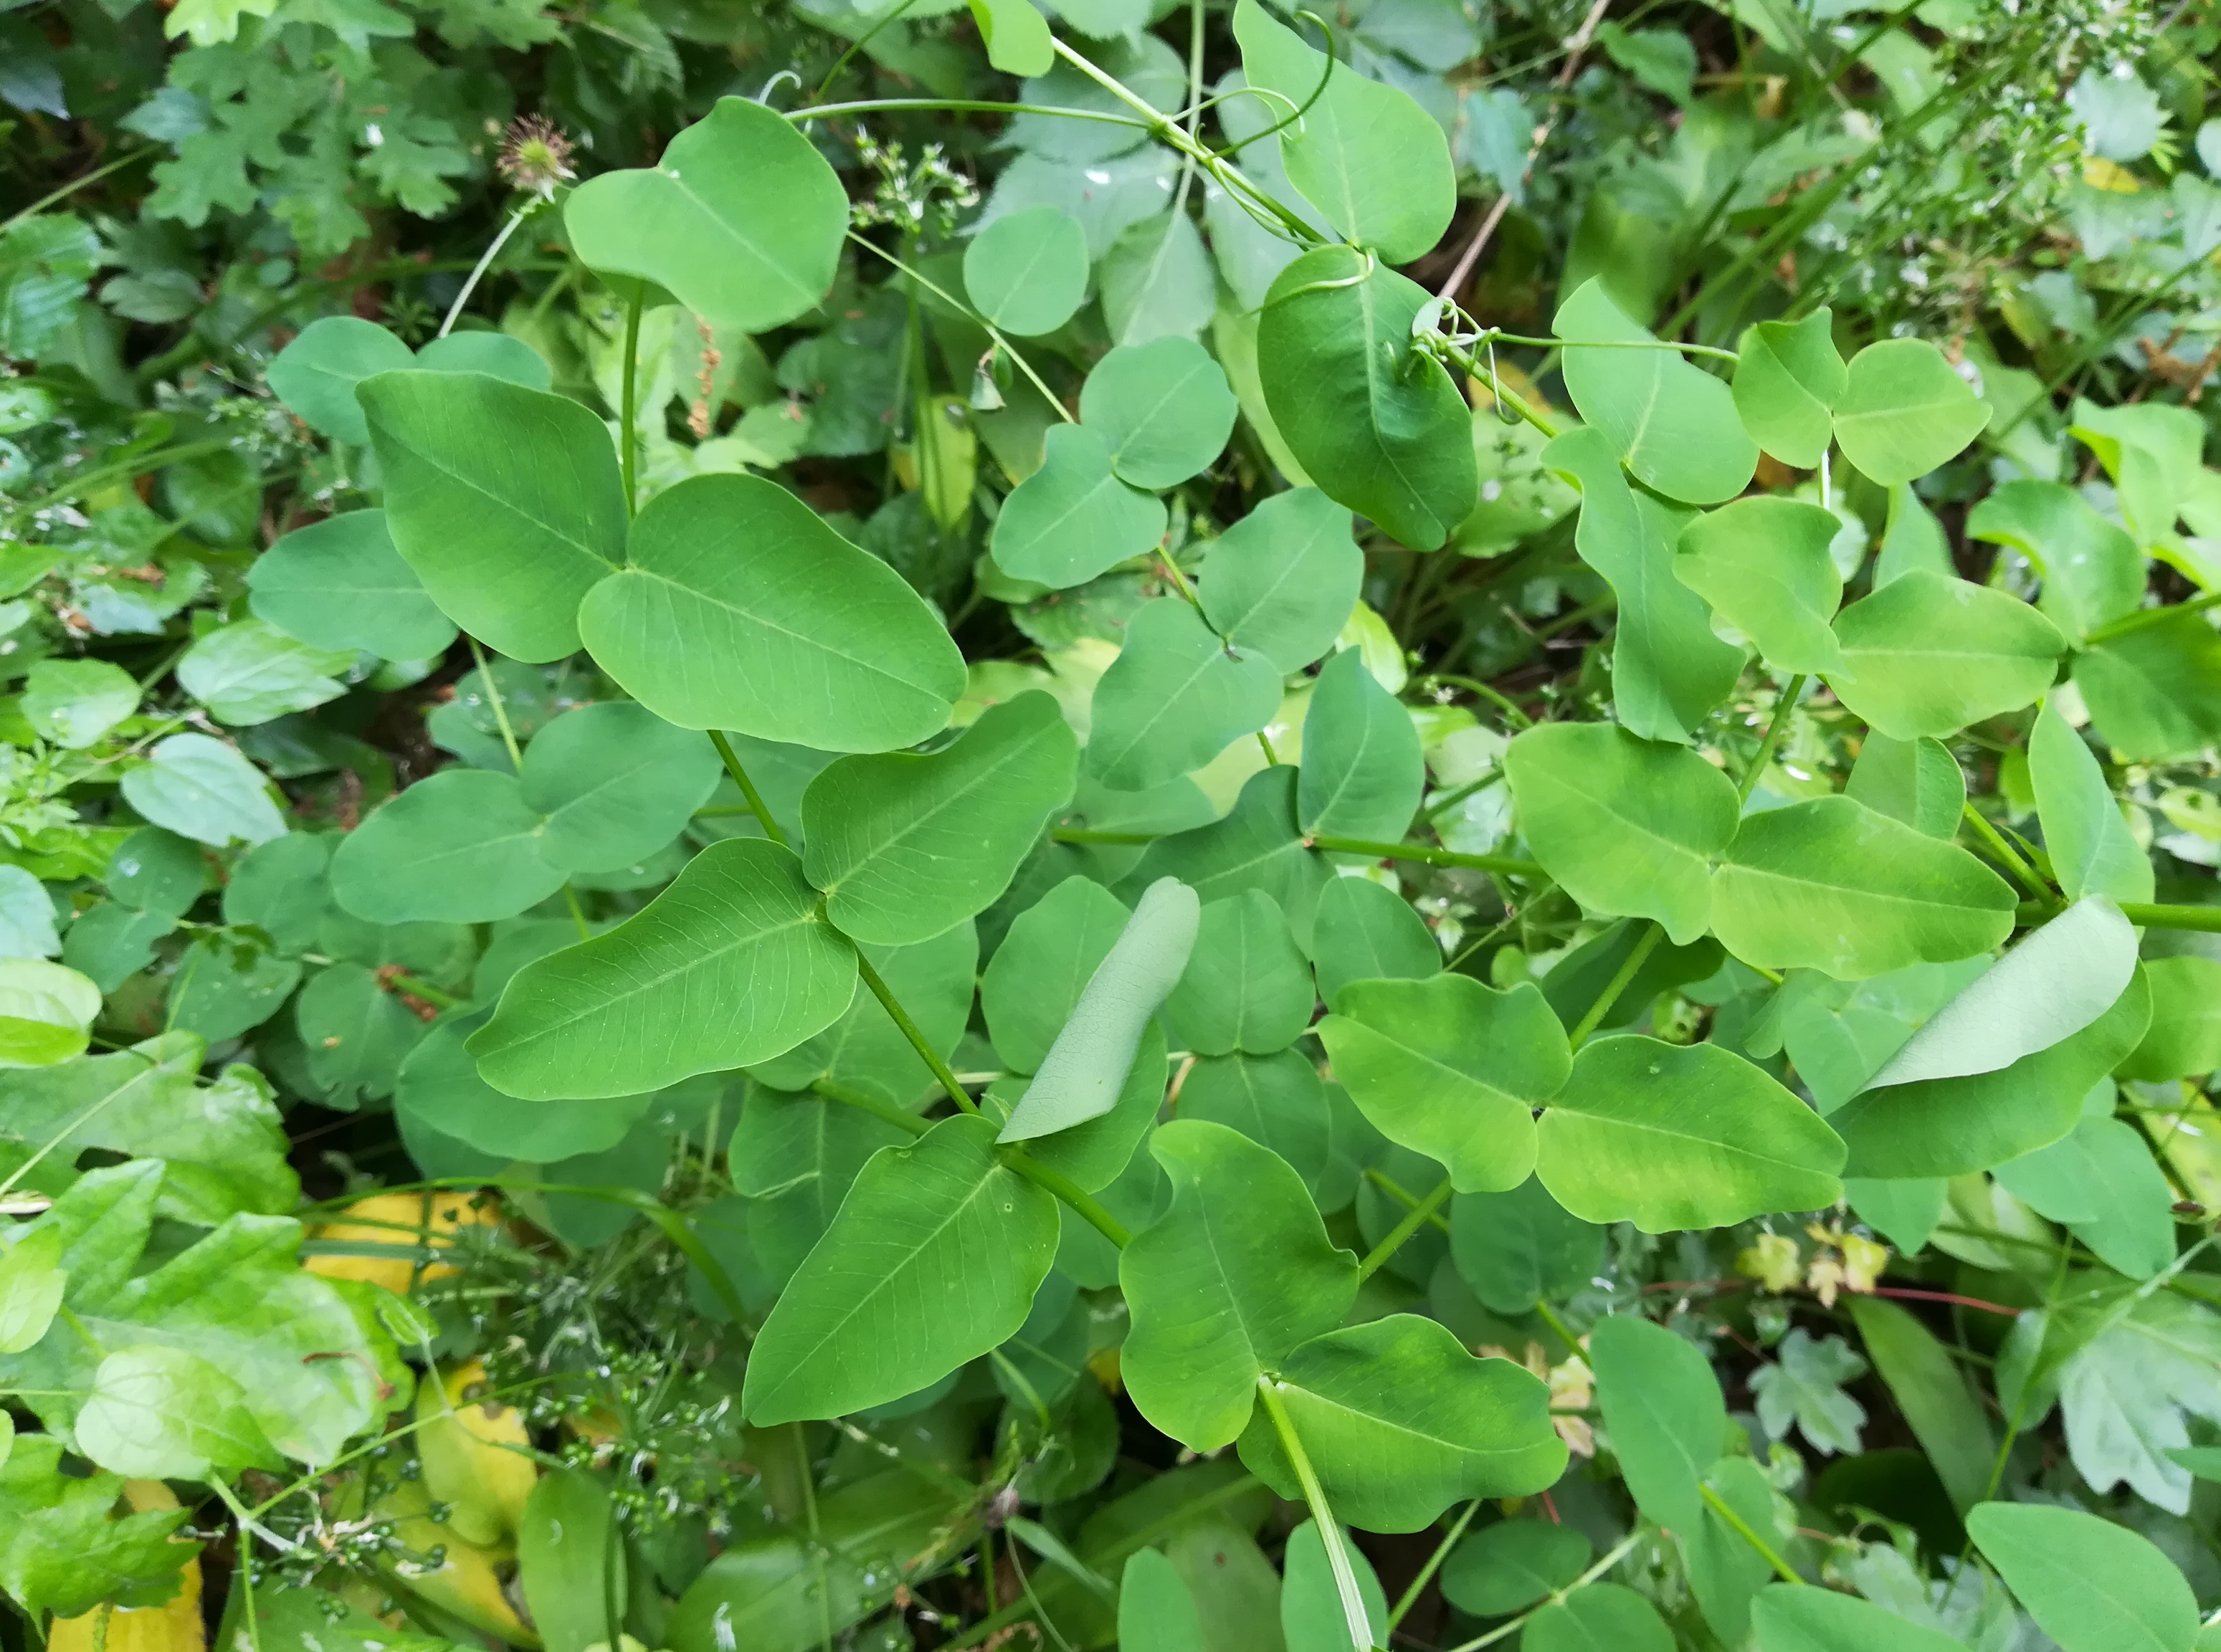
x=1329 y=1529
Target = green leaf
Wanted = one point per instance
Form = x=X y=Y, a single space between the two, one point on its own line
x=1673 y=424
x=1234 y=1273
x=1598 y=1618
x=250 y=671
x=742 y=609
x=2155 y=694
x=2184 y=1038
x=1400 y=1422
x=72 y=702
x=906 y=846
x=357 y=1035
x=1085 y=1072
x=201 y=788
x=222 y=1143
x=1073 y=519
x=1365 y=155
x=1664 y=1411
x=1904 y=410
x=1451 y=1069
x=1788 y=379
x=1095 y=1153
x=563 y=1554
x=506 y=501
x=1763 y=564
x=1026 y=272
x=1931 y=1394
x=1016 y=35
x=2091 y=848
x=2150 y=451
x=1829 y=884
x=1362 y=771
x=1163 y=410
x=2101 y=1181
x=1174 y=698
x=2059 y=979
x=1521 y=1247
x=340 y=584
x=2091 y=1585
x=1669 y=669
x=1257 y=846
x=1154 y=1607
x=27 y=917
x=1917 y=782
x=1379 y=427
x=1805 y=1389
x=1671 y=1137
x=1276 y=1101
x=163 y=1413
x=1506 y=1568
x=2091 y=569
x=226 y=985
x=63 y=1548
x=1725 y=1570
x=461 y=846
x=279 y=887
x=939 y=1235
x=1954 y=1125
x=1929 y=655
x=1313 y=1616
x=316 y=375
x=1035 y=978
x=740 y=929
x=31 y=1282
x=1793 y=1619
x=439 y=1084
x=497 y=355
x=1246 y=986
x=1626 y=827
x=45 y=1011
x=615 y=783
x=1363 y=932
x=1284 y=579
x=743 y=220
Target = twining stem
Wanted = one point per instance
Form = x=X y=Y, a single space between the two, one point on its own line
x=630 y=448
x=493 y=698
x=772 y=829
x=1427 y=854
x=1629 y=967
x=865 y=1101
x=1720 y=1506
x=1414 y=1219
x=960 y=106
x=1613 y=344
x=1411 y=1596
x=1329 y=1529
x=909 y=1029
x=2005 y=853
x=1772 y=738
x=992 y=332
x=1065 y=1187
x=478 y=271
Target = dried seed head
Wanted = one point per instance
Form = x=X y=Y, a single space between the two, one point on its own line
x=535 y=154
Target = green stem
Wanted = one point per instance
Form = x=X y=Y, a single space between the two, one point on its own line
x=1510 y=397
x=2130 y=623
x=772 y=829
x=92 y=481
x=1065 y=1187
x=71 y=188
x=1414 y=1219
x=1720 y=1506
x=1401 y=1195
x=1496 y=697
x=1088 y=834
x=1409 y=1598
x=2005 y=853
x=1562 y=1331
x=865 y=1101
x=909 y=1029
x=992 y=332
x=1329 y=1529
x=957 y=105
x=2205 y=919
x=1772 y=738
x=425 y=990
x=1614 y=343
x=1629 y=968
x=1503 y=866
x=485 y=262
x=630 y=437
x=1505 y=1631
x=500 y=710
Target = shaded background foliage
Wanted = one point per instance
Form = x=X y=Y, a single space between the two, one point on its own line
x=191 y=187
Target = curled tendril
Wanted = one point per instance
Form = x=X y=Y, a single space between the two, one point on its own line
x=1317 y=91
x=1363 y=276
x=1231 y=94
x=771 y=86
